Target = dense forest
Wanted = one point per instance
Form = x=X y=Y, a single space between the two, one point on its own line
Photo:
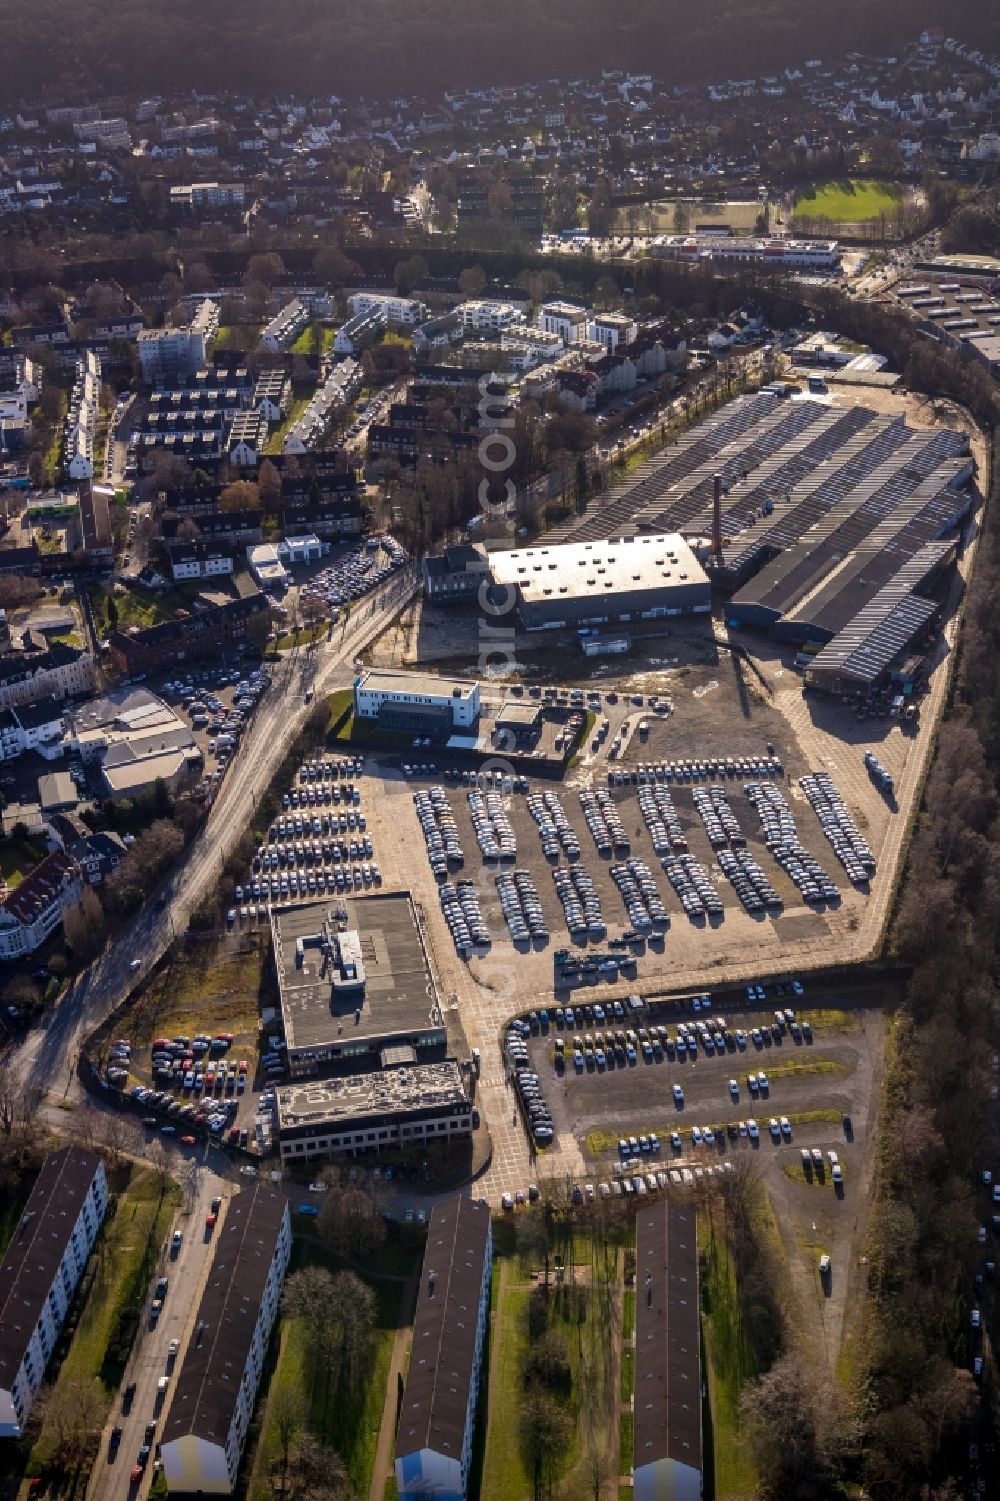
x=385 y=47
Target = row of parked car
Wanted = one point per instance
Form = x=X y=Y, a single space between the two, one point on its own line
x=781 y=838
x=850 y=848
x=554 y=828
x=640 y=895
x=580 y=902
x=746 y=876
x=690 y=880
x=604 y=822
x=662 y=822
x=464 y=916
x=716 y=813
x=493 y=830
x=739 y=768
x=522 y=909
x=440 y=830
x=527 y=1085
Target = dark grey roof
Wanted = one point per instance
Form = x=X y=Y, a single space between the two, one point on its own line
x=37 y=1248
x=208 y=1382
x=436 y=1398
x=667 y=1421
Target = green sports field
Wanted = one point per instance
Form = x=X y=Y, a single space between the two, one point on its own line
x=851 y=202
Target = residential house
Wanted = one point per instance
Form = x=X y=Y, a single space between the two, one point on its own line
x=33 y=911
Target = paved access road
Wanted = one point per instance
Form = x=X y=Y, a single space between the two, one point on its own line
x=49 y=1054
x=187 y=1273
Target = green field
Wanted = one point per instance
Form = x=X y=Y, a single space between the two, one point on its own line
x=504 y=1478
x=857 y=200
x=350 y=1425
x=730 y=1360
x=121 y=1264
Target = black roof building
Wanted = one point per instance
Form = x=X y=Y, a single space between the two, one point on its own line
x=667 y=1405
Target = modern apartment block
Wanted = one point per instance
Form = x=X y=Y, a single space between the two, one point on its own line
x=667 y=1464
x=437 y=1417
x=405 y=311
x=206 y=1424
x=166 y=353
x=565 y=319
x=40 y=1272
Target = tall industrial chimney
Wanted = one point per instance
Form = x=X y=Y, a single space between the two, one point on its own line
x=717 y=517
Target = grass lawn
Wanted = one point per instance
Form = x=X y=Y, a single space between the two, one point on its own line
x=304 y=343
x=298 y=406
x=626 y=1375
x=854 y=201
x=730 y=1363
x=349 y=1425
x=139 y=608
x=807 y=1066
x=504 y=1477
x=17 y=858
x=625 y=1431
x=242 y=336
x=628 y=1313
x=119 y=1269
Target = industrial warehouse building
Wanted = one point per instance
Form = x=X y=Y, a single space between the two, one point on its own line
x=205 y=1429
x=639 y=577
x=353 y=986
x=416 y=701
x=437 y=1415
x=39 y=1274
x=666 y=1443
x=832 y=519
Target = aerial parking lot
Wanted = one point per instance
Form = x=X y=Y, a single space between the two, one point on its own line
x=731 y=829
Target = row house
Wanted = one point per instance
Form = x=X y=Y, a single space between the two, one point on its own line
x=206 y=1426
x=40 y=1273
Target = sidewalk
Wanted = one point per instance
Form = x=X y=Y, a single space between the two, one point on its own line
x=385 y=1453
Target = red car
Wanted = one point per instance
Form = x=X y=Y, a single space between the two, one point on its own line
x=210 y=1220
x=188 y=1141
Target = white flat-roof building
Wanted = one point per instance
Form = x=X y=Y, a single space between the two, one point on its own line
x=39 y=1274
x=565 y=319
x=591 y=583
x=266 y=566
x=612 y=330
x=817 y=255
x=401 y=697
x=138 y=740
x=179 y=351
x=373 y=1112
x=490 y=317
x=406 y=311
x=205 y=1428
x=305 y=549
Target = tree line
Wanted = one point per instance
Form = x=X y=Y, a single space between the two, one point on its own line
x=57 y=52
